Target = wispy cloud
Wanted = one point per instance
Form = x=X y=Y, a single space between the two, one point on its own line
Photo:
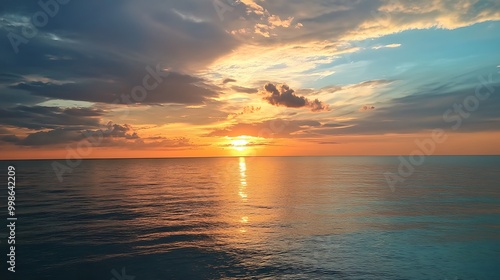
x=390 y=46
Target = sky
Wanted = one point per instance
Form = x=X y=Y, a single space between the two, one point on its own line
x=195 y=78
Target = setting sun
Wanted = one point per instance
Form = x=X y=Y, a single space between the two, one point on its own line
x=250 y=139
x=239 y=144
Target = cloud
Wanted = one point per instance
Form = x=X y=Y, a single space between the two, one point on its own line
x=261 y=21
x=390 y=46
x=246 y=110
x=306 y=54
x=125 y=30
x=423 y=111
x=120 y=131
x=328 y=143
x=42 y=117
x=275 y=128
x=105 y=58
x=177 y=143
x=365 y=108
x=228 y=80
x=102 y=59
x=10 y=139
x=109 y=135
x=371 y=83
x=51 y=137
x=244 y=89
x=174 y=88
x=284 y=96
x=209 y=113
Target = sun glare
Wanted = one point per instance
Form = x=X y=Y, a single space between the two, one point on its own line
x=239 y=144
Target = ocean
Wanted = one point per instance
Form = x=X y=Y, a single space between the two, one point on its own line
x=255 y=218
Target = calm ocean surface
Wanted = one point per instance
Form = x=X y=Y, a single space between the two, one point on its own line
x=256 y=218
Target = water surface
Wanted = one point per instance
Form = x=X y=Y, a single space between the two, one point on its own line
x=258 y=218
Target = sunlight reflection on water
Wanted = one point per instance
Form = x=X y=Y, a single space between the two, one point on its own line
x=290 y=218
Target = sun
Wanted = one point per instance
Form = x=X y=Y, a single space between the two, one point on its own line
x=240 y=143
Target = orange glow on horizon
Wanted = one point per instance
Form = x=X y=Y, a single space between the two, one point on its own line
x=484 y=143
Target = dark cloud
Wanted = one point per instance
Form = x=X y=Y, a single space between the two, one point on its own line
x=365 y=108
x=245 y=89
x=174 y=88
x=8 y=77
x=102 y=59
x=109 y=135
x=4 y=131
x=41 y=117
x=166 y=143
x=10 y=139
x=151 y=30
x=52 y=137
x=246 y=110
x=284 y=96
x=68 y=130
x=228 y=80
x=119 y=131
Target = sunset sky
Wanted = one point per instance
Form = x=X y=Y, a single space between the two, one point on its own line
x=165 y=78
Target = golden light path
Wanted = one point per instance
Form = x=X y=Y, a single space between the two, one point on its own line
x=242 y=190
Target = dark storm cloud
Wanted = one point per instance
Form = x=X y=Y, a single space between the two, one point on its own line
x=12 y=98
x=284 y=96
x=174 y=88
x=99 y=50
x=52 y=137
x=151 y=29
x=8 y=77
x=10 y=139
x=41 y=117
x=109 y=135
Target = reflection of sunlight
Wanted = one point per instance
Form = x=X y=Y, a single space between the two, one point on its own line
x=243 y=179
x=243 y=195
x=243 y=167
x=242 y=190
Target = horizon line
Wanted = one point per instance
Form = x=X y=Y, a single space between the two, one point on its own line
x=200 y=157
